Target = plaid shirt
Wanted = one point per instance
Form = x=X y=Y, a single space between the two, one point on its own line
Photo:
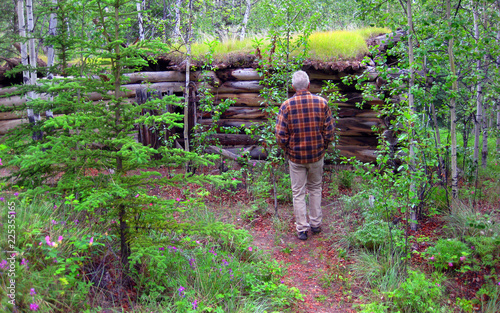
x=304 y=127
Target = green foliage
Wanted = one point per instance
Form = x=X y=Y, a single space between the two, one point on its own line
x=489 y=294
x=331 y=45
x=487 y=248
x=463 y=221
x=213 y=278
x=90 y=152
x=374 y=307
x=378 y=270
x=52 y=255
x=449 y=254
x=374 y=233
x=418 y=294
x=334 y=45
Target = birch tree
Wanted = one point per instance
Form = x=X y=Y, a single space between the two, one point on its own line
x=478 y=121
x=453 y=114
x=50 y=50
x=140 y=6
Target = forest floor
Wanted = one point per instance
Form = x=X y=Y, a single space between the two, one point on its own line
x=320 y=267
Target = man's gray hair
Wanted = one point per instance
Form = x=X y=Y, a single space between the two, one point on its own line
x=300 y=80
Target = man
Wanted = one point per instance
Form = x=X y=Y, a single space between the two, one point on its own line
x=304 y=129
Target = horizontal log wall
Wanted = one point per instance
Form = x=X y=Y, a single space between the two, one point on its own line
x=354 y=124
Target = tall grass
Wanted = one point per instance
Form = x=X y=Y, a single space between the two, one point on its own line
x=328 y=45
x=341 y=44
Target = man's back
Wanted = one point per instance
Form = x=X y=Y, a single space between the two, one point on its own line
x=304 y=127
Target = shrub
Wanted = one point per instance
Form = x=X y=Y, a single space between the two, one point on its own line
x=376 y=233
x=208 y=276
x=448 y=254
x=487 y=248
x=489 y=295
x=417 y=294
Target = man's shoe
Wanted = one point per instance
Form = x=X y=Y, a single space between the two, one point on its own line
x=302 y=235
x=316 y=230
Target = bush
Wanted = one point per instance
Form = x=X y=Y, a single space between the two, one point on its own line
x=209 y=277
x=487 y=248
x=448 y=254
x=417 y=294
x=375 y=233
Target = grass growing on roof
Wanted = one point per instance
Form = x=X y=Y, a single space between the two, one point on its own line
x=341 y=44
x=323 y=45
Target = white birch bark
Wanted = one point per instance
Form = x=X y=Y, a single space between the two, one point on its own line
x=140 y=6
x=453 y=112
x=50 y=52
x=22 y=33
x=177 y=28
x=246 y=16
x=478 y=122
x=33 y=61
x=188 y=66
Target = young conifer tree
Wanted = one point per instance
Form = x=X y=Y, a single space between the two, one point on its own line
x=88 y=152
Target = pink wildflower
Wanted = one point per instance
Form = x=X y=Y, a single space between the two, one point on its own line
x=47 y=240
x=1 y=162
x=91 y=241
x=432 y=258
x=250 y=248
x=60 y=239
x=34 y=307
x=177 y=199
x=462 y=258
x=450 y=264
x=137 y=195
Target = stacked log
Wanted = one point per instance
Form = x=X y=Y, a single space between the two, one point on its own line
x=354 y=124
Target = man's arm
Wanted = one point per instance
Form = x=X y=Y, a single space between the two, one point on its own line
x=282 y=135
x=329 y=127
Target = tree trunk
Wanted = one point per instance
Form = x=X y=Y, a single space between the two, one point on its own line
x=188 y=65
x=411 y=104
x=22 y=33
x=177 y=28
x=140 y=7
x=29 y=77
x=498 y=100
x=50 y=51
x=245 y=19
x=478 y=121
x=453 y=112
x=484 y=152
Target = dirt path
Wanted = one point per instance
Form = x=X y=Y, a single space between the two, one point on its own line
x=314 y=266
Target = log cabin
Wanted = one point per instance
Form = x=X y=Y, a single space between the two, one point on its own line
x=239 y=79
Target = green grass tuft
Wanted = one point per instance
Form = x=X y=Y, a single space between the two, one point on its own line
x=323 y=45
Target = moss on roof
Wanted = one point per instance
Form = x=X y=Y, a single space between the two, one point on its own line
x=332 y=50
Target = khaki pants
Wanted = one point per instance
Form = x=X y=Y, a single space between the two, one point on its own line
x=310 y=176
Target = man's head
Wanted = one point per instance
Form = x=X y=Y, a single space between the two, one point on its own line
x=300 y=81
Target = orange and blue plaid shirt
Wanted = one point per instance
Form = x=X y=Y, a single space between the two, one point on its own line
x=305 y=127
